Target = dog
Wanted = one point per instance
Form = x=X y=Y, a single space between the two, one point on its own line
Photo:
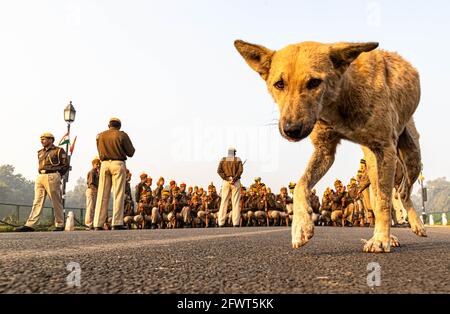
x=346 y=91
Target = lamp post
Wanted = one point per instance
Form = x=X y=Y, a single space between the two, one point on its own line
x=69 y=117
x=424 y=198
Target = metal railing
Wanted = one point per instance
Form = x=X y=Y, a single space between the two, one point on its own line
x=438 y=218
x=17 y=214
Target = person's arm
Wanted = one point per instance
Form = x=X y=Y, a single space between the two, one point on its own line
x=64 y=161
x=128 y=146
x=89 y=179
x=137 y=193
x=365 y=186
x=220 y=170
x=97 y=141
x=240 y=170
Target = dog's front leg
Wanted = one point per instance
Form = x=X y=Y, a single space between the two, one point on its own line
x=381 y=240
x=325 y=142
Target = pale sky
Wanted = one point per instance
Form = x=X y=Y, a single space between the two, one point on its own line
x=170 y=72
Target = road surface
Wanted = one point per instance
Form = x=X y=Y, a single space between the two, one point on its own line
x=225 y=260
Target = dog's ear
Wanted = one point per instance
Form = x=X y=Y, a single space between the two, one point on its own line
x=343 y=54
x=257 y=57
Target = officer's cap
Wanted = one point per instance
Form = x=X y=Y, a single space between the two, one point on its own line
x=115 y=120
x=95 y=160
x=363 y=161
x=143 y=175
x=47 y=135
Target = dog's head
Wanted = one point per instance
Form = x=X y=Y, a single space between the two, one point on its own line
x=303 y=79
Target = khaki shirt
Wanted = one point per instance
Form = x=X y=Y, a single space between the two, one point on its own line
x=114 y=144
x=326 y=203
x=230 y=168
x=363 y=180
x=53 y=159
x=251 y=203
x=92 y=179
x=315 y=203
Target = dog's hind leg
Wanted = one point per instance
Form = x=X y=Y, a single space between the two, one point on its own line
x=409 y=155
x=325 y=141
x=386 y=158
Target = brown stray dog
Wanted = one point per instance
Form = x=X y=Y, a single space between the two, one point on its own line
x=346 y=91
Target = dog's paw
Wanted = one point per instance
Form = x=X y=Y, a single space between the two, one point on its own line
x=378 y=245
x=302 y=230
x=418 y=228
x=394 y=241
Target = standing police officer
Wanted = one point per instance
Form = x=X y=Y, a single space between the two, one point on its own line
x=53 y=165
x=91 y=193
x=230 y=170
x=114 y=146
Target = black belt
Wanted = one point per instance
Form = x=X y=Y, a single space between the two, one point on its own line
x=47 y=171
x=107 y=159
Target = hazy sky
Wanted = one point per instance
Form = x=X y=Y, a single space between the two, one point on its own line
x=170 y=71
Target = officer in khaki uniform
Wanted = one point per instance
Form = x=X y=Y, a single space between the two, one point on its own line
x=269 y=205
x=139 y=187
x=53 y=165
x=251 y=207
x=342 y=206
x=364 y=191
x=230 y=170
x=325 y=208
x=114 y=146
x=91 y=193
x=284 y=202
x=315 y=205
x=180 y=212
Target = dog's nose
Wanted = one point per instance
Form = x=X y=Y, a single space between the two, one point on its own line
x=293 y=130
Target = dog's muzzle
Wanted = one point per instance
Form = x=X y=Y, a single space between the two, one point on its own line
x=295 y=132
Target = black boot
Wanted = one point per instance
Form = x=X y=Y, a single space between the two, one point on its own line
x=24 y=229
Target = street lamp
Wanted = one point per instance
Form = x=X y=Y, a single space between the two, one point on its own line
x=69 y=113
x=69 y=117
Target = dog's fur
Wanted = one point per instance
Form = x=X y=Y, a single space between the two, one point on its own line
x=346 y=91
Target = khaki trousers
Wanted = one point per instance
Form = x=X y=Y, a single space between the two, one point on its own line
x=47 y=184
x=112 y=174
x=155 y=217
x=202 y=215
x=183 y=216
x=91 y=198
x=232 y=191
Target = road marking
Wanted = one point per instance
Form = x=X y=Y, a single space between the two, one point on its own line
x=132 y=244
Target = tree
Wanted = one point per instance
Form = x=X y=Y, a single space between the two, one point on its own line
x=438 y=195
x=15 y=188
x=77 y=197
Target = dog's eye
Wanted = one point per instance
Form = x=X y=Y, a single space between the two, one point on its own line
x=279 y=85
x=313 y=83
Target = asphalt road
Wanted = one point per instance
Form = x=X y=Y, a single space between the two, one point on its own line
x=228 y=260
